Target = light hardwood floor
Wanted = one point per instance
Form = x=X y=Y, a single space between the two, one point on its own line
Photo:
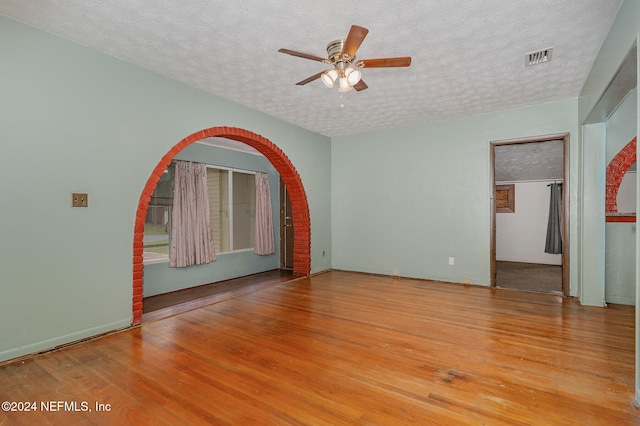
x=347 y=348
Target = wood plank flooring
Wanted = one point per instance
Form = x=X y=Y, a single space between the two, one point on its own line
x=348 y=348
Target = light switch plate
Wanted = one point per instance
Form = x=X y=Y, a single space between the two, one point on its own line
x=79 y=200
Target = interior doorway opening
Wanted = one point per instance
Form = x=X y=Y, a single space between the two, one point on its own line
x=520 y=262
x=301 y=263
x=286 y=229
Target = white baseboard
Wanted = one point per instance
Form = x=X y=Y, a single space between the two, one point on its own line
x=50 y=344
x=621 y=300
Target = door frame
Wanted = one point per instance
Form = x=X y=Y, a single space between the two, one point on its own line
x=287 y=233
x=565 y=201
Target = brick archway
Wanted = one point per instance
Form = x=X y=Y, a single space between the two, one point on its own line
x=288 y=174
x=615 y=173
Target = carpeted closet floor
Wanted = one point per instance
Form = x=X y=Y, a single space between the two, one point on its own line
x=529 y=276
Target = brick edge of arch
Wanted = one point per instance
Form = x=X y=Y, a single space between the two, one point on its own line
x=616 y=170
x=288 y=174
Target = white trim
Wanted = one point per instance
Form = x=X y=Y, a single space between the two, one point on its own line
x=158 y=261
x=50 y=344
x=241 y=250
x=227 y=144
x=155 y=261
x=621 y=300
x=529 y=181
x=231 y=169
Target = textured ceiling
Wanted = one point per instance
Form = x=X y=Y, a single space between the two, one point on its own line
x=529 y=161
x=468 y=55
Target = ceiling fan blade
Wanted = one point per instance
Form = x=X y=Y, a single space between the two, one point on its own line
x=303 y=55
x=404 y=61
x=353 y=41
x=310 y=79
x=361 y=85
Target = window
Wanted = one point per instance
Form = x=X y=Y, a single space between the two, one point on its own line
x=232 y=209
x=244 y=210
x=157 y=226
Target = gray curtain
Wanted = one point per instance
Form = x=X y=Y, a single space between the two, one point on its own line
x=554 y=238
x=191 y=237
x=264 y=240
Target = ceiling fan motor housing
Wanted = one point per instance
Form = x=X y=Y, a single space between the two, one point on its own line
x=334 y=49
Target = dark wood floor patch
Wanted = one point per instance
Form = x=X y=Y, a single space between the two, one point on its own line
x=169 y=304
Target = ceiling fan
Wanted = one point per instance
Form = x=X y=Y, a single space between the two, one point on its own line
x=342 y=56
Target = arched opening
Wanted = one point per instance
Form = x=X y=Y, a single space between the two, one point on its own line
x=616 y=170
x=288 y=174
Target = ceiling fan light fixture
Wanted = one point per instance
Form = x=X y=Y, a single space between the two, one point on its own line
x=353 y=75
x=341 y=54
x=329 y=77
x=344 y=85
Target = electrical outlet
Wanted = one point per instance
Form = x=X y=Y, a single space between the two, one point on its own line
x=396 y=273
x=452 y=261
x=467 y=281
x=79 y=200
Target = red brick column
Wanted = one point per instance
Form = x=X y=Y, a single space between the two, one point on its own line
x=615 y=173
x=288 y=173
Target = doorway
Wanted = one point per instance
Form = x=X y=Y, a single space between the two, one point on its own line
x=525 y=167
x=286 y=229
x=288 y=174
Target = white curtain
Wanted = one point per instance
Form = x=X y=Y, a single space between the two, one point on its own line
x=191 y=238
x=264 y=241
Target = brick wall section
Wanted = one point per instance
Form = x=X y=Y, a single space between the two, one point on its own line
x=288 y=173
x=615 y=173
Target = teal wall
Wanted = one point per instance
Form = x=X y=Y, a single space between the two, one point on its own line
x=407 y=199
x=159 y=278
x=590 y=263
x=620 y=237
x=76 y=120
x=620 y=40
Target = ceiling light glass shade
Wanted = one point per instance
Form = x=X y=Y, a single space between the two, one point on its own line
x=353 y=75
x=328 y=77
x=344 y=85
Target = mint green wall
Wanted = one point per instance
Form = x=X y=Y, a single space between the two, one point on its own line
x=407 y=199
x=76 y=120
x=617 y=44
x=620 y=238
x=620 y=255
x=620 y=39
x=621 y=126
x=591 y=264
x=591 y=259
x=159 y=278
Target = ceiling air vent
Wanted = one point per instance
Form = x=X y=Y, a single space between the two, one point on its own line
x=538 y=57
